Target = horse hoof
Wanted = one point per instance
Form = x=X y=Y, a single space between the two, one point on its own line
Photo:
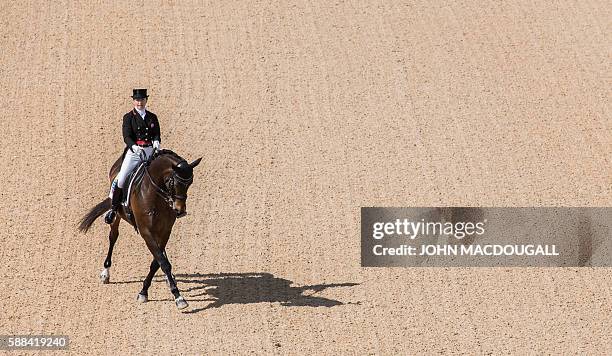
x=105 y=276
x=181 y=303
x=142 y=298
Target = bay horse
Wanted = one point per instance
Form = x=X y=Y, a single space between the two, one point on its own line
x=156 y=201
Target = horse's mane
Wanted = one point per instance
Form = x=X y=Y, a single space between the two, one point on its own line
x=170 y=154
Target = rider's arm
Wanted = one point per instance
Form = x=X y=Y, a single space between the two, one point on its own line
x=156 y=133
x=127 y=131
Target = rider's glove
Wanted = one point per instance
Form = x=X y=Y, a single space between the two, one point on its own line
x=136 y=148
x=156 y=145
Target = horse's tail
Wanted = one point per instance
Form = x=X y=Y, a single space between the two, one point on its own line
x=93 y=214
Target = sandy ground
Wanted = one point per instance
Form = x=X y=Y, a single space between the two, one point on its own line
x=303 y=112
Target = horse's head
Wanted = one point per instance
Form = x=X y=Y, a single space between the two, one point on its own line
x=178 y=183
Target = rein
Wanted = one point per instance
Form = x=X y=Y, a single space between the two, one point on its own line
x=160 y=191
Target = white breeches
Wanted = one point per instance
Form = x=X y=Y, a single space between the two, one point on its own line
x=130 y=162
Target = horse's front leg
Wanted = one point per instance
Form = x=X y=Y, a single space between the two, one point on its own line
x=112 y=239
x=166 y=267
x=166 y=278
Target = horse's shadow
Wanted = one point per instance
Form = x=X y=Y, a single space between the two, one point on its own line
x=246 y=288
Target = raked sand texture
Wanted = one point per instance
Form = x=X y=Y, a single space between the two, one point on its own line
x=303 y=112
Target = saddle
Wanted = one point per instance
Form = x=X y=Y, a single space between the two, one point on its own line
x=134 y=178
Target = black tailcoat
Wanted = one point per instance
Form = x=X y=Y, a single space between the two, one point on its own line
x=137 y=129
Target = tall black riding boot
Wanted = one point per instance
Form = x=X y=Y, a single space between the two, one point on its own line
x=117 y=196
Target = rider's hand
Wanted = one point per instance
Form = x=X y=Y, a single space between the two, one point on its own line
x=156 y=145
x=136 y=148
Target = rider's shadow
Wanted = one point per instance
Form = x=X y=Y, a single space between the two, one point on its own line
x=246 y=288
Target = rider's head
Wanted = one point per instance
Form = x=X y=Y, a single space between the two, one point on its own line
x=140 y=97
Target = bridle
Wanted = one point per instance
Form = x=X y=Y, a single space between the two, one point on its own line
x=169 y=182
x=167 y=192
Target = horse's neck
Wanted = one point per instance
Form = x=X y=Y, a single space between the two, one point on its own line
x=159 y=168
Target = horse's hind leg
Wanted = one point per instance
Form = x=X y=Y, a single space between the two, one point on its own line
x=144 y=293
x=112 y=239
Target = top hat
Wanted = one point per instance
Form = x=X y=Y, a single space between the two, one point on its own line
x=139 y=94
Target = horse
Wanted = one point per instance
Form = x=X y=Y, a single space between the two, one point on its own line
x=156 y=201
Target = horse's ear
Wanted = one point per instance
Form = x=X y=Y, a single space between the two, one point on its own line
x=195 y=163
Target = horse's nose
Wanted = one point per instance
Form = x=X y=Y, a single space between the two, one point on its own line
x=179 y=209
x=178 y=205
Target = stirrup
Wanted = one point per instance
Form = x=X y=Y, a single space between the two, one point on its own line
x=110 y=216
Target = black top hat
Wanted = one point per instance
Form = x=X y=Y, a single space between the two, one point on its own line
x=139 y=94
